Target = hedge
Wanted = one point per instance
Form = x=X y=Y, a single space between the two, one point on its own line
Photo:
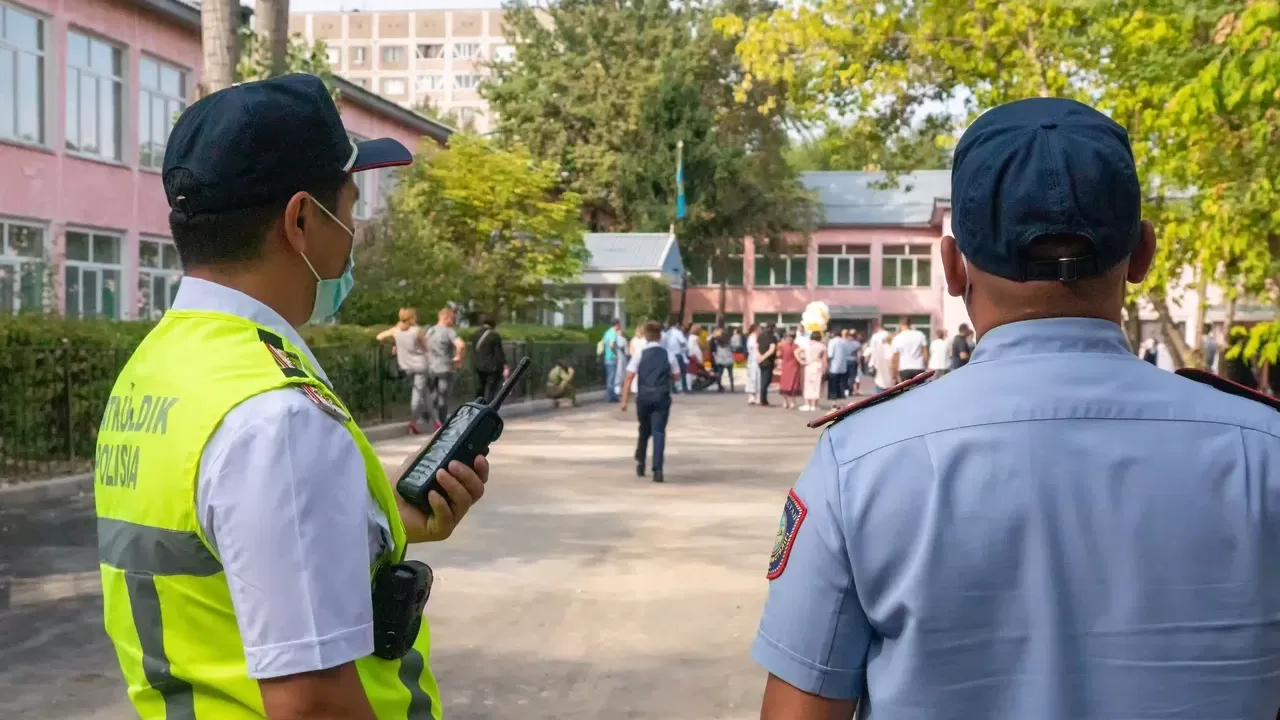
x=56 y=376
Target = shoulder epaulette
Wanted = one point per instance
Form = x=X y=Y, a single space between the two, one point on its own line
x=836 y=416
x=1220 y=383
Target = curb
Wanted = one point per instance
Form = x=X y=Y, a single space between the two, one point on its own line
x=71 y=485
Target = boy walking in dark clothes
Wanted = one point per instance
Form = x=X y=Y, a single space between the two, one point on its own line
x=650 y=374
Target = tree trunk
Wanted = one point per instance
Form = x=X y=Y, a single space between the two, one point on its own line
x=1133 y=325
x=684 y=295
x=1197 y=314
x=1174 y=340
x=724 y=293
x=219 y=24
x=1230 y=320
x=273 y=27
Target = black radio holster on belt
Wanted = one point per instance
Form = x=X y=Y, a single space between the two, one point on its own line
x=400 y=591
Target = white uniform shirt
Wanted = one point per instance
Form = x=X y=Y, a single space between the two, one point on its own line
x=910 y=345
x=282 y=497
x=675 y=342
x=633 y=365
x=939 y=349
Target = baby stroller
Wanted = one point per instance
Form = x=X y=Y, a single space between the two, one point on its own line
x=701 y=376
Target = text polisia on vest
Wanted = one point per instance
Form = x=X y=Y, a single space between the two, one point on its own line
x=116 y=464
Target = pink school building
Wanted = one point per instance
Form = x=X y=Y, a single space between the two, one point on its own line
x=874 y=257
x=88 y=92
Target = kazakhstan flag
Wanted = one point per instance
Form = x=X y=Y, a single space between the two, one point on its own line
x=681 y=210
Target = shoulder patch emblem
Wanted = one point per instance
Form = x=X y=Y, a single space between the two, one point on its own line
x=793 y=513
x=324 y=403
x=836 y=416
x=1220 y=383
x=289 y=363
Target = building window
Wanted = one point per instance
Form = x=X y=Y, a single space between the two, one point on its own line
x=711 y=275
x=428 y=83
x=333 y=56
x=466 y=51
x=504 y=53
x=429 y=51
x=388 y=179
x=22 y=266
x=466 y=82
x=22 y=76
x=358 y=56
x=93 y=274
x=393 y=86
x=94 y=72
x=159 y=271
x=393 y=54
x=162 y=95
x=780 y=271
x=906 y=265
x=467 y=116
x=362 y=82
x=364 y=203
x=708 y=320
x=780 y=321
x=844 y=266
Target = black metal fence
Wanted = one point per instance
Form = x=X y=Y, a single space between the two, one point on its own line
x=52 y=398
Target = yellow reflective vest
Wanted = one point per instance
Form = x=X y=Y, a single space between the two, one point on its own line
x=166 y=602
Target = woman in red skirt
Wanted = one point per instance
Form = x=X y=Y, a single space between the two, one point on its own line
x=790 y=383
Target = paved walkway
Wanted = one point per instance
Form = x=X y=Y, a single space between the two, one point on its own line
x=575 y=590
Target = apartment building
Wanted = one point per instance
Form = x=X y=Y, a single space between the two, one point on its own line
x=424 y=56
x=89 y=90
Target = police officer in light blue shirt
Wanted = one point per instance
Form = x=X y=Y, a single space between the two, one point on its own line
x=1057 y=530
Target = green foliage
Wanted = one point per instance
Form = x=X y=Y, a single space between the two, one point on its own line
x=300 y=56
x=1261 y=346
x=607 y=91
x=56 y=376
x=1195 y=82
x=470 y=223
x=645 y=298
x=838 y=147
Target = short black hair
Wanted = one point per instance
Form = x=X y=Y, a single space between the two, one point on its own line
x=488 y=319
x=239 y=235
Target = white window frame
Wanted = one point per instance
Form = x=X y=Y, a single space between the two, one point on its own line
x=169 y=277
x=421 y=53
x=40 y=57
x=174 y=105
x=907 y=255
x=773 y=271
x=404 y=85
x=12 y=262
x=365 y=204
x=467 y=51
x=862 y=251
x=79 y=73
x=458 y=85
x=710 y=276
x=382 y=54
x=333 y=56
x=93 y=265
x=358 y=55
x=504 y=53
x=420 y=83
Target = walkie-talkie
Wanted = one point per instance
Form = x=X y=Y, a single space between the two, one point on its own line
x=468 y=433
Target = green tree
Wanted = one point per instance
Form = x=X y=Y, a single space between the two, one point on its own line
x=256 y=61
x=645 y=298
x=480 y=226
x=838 y=147
x=610 y=91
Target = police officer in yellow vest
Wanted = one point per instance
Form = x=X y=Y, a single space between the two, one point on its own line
x=241 y=512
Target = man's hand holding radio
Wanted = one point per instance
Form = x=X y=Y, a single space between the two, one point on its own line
x=465 y=488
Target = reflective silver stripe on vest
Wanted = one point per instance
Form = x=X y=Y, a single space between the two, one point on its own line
x=179 y=699
x=153 y=551
x=411 y=666
x=144 y=553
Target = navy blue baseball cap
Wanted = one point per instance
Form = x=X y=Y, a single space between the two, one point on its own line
x=260 y=142
x=1044 y=166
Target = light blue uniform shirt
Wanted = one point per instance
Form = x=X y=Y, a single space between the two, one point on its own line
x=1056 y=531
x=838 y=351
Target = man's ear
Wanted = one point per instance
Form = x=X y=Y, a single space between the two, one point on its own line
x=953 y=267
x=1143 y=255
x=294 y=223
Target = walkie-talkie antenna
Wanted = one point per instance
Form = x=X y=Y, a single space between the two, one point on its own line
x=510 y=384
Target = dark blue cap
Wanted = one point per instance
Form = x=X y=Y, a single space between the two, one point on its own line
x=260 y=142
x=1044 y=166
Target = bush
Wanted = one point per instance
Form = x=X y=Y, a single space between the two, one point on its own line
x=56 y=376
x=646 y=298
